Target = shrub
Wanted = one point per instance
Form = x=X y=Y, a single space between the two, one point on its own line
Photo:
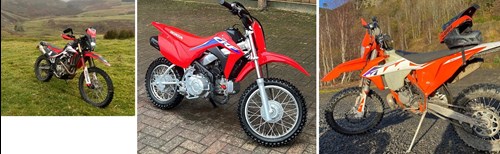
x=111 y=34
x=18 y=28
x=124 y=34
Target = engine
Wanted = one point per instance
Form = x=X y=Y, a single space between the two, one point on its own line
x=205 y=74
x=196 y=84
x=222 y=86
x=410 y=95
x=63 y=68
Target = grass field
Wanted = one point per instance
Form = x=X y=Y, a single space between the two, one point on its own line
x=23 y=94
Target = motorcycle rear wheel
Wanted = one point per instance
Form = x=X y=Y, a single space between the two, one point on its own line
x=289 y=110
x=96 y=75
x=374 y=108
x=163 y=96
x=481 y=101
x=42 y=69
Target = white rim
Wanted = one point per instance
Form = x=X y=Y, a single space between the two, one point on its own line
x=160 y=91
x=283 y=123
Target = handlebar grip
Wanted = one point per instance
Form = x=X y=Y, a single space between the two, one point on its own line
x=226 y=4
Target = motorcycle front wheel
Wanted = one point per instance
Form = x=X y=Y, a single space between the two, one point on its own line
x=343 y=117
x=288 y=113
x=100 y=91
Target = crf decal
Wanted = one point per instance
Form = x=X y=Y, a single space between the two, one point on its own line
x=224 y=42
x=218 y=40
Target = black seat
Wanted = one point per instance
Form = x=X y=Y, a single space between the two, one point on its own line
x=422 y=58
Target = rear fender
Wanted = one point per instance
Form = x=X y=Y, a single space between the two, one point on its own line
x=98 y=57
x=267 y=57
x=471 y=66
x=353 y=65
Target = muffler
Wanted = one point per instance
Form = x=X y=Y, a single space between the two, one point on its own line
x=42 y=50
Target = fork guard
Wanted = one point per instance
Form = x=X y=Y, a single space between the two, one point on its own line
x=267 y=57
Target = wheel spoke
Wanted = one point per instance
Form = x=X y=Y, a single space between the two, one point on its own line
x=288 y=112
x=161 y=74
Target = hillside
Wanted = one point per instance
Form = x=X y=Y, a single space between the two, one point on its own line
x=413 y=26
x=48 y=17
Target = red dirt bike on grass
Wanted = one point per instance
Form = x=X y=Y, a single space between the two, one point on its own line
x=95 y=85
x=418 y=83
x=271 y=111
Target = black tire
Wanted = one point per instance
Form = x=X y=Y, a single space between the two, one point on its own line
x=109 y=87
x=373 y=104
x=166 y=104
x=472 y=96
x=39 y=73
x=299 y=121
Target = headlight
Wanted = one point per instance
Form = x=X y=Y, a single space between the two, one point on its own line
x=92 y=44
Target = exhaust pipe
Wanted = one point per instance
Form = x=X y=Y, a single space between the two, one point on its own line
x=40 y=47
x=390 y=101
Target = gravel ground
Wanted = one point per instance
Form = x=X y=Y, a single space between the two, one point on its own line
x=395 y=132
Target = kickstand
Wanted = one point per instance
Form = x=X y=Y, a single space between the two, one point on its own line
x=212 y=100
x=416 y=132
x=213 y=104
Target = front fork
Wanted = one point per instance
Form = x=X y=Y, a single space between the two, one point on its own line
x=361 y=99
x=85 y=68
x=265 y=110
x=365 y=89
x=86 y=72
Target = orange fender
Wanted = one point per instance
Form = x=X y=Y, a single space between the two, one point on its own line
x=353 y=65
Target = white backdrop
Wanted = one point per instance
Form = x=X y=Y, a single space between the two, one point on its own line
x=75 y=135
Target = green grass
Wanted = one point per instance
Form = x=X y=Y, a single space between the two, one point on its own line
x=23 y=94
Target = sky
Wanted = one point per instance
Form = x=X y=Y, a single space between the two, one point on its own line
x=331 y=4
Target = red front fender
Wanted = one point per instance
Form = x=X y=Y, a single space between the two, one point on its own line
x=97 y=56
x=267 y=57
x=353 y=65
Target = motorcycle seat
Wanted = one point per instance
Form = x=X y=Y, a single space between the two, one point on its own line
x=187 y=38
x=50 y=46
x=424 y=57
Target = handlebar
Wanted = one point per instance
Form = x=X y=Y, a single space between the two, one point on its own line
x=238 y=9
x=384 y=40
x=225 y=4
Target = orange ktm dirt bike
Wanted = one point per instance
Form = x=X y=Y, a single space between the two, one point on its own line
x=418 y=83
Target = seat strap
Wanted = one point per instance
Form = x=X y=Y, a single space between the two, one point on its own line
x=463 y=57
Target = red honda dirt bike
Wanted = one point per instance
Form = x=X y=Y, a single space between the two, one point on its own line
x=271 y=111
x=95 y=85
x=418 y=83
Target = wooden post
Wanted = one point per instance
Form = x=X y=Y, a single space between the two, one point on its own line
x=262 y=4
